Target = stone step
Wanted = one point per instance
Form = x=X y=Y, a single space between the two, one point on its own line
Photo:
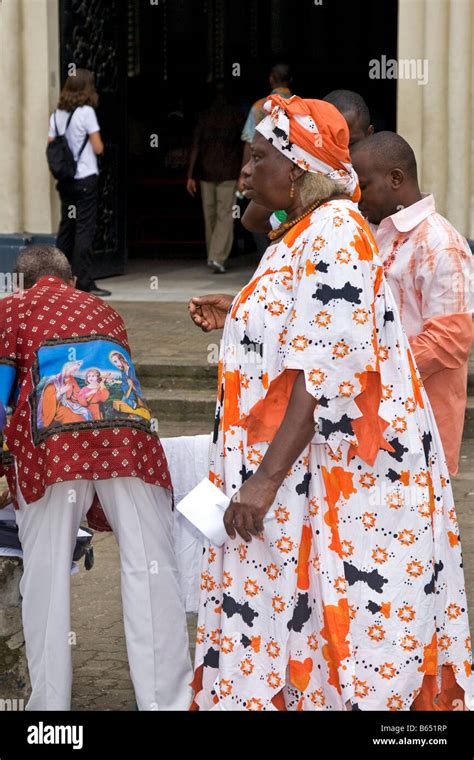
x=174 y=376
x=181 y=404
x=171 y=428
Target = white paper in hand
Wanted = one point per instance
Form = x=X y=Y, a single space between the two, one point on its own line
x=204 y=507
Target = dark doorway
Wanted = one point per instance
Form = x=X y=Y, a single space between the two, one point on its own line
x=158 y=57
x=178 y=47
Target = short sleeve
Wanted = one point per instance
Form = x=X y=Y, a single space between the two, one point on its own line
x=52 y=128
x=331 y=333
x=90 y=120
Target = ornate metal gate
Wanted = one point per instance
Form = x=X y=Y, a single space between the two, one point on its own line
x=93 y=36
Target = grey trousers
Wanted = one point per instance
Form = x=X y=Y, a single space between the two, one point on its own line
x=218 y=199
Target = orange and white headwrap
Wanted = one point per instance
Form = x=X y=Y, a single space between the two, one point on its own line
x=314 y=135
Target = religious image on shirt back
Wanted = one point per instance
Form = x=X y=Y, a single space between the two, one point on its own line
x=85 y=383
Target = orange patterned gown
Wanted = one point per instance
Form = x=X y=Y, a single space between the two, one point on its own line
x=356 y=592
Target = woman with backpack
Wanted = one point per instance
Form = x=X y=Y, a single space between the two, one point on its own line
x=74 y=143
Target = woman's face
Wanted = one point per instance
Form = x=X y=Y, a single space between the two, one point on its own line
x=268 y=175
x=117 y=361
x=71 y=368
x=92 y=378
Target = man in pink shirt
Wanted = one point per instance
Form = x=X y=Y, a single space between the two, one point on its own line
x=429 y=267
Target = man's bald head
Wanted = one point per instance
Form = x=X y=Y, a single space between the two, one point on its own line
x=355 y=111
x=386 y=166
x=389 y=151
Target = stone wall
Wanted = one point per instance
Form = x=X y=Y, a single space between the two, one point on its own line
x=14 y=682
x=29 y=83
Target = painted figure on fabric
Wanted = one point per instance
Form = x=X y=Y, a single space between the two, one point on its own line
x=131 y=391
x=58 y=402
x=93 y=393
x=98 y=385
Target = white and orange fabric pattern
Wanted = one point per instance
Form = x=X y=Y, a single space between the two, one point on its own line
x=430 y=269
x=314 y=135
x=355 y=592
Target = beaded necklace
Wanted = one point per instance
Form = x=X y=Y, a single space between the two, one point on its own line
x=285 y=226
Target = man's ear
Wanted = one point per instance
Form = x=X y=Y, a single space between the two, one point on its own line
x=370 y=130
x=397 y=178
x=72 y=282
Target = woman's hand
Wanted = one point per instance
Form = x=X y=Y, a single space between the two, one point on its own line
x=249 y=506
x=209 y=312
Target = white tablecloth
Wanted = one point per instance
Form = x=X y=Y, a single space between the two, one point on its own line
x=188 y=462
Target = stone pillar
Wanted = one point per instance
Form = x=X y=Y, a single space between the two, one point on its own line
x=437 y=118
x=11 y=123
x=38 y=65
x=29 y=83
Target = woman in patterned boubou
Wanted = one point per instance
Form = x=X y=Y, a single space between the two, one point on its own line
x=336 y=589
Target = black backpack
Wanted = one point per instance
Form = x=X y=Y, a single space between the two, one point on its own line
x=60 y=158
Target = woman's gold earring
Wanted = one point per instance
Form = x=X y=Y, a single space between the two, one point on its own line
x=292 y=190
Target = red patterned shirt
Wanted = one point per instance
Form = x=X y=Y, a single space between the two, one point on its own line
x=78 y=410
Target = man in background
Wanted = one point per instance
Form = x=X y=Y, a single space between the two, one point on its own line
x=280 y=81
x=355 y=111
x=215 y=160
x=430 y=269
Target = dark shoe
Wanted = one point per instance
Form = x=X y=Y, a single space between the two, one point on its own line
x=101 y=292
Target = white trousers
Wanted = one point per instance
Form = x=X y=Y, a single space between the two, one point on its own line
x=154 y=618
